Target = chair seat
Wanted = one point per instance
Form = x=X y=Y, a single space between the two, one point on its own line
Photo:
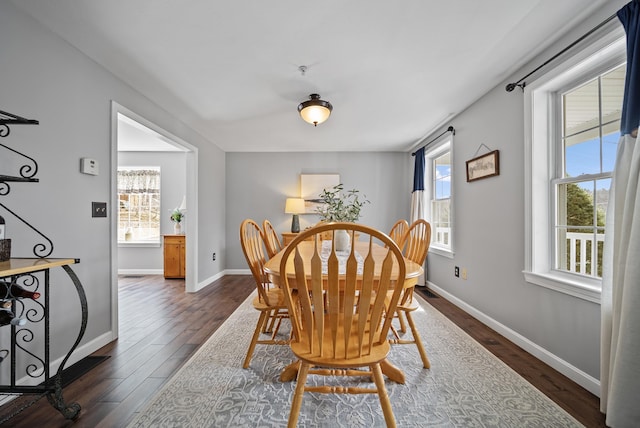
x=276 y=300
x=409 y=306
x=378 y=353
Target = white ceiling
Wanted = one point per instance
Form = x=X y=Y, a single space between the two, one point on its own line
x=393 y=70
x=136 y=137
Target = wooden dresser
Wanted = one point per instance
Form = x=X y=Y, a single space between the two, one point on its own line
x=174 y=256
x=288 y=237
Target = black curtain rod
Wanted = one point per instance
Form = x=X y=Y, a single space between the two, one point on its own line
x=449 y=129
x=521 y=83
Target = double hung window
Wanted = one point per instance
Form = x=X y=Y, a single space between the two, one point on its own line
x=438 y=194
x=589 y=138
x=572 y=123
x=139 y=205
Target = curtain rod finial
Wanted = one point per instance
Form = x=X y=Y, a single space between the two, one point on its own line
x=511 y=86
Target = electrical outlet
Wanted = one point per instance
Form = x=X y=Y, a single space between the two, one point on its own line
x=456 y=271
x=464 y=273
x=213 y=257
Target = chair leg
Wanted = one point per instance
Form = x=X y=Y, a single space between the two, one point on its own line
x=256 y=333
x=384 y=397
x=266 y=328
x=403 y=326
x=416 y=337
x=296 y=403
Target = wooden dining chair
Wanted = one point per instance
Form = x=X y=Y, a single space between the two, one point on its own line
x=398 y=231
x=416 y=243
x=339 y=319
x=269 y=300
x=274 y=246
x=271 y=240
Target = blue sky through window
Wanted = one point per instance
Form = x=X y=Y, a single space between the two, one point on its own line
x=443 y=181
x=584 y=158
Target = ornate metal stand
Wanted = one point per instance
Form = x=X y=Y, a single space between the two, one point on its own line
x=33 y=275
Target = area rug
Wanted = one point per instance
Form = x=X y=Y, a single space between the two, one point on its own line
x=466 y=386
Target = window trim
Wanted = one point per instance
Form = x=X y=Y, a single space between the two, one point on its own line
x=539 y=126
x=435 y=149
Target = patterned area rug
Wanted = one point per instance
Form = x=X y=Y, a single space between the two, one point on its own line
x=466 y=386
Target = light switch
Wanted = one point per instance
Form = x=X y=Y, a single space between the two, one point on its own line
x=98 y=209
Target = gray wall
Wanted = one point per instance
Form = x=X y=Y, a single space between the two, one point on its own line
x=44 y=78
x=259 y=183
x=562 y=330
x=489 y=241
x=173 y=185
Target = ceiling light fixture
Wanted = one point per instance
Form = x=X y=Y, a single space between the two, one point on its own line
x=315 y=110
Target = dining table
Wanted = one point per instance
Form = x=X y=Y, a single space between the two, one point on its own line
x=412 y=272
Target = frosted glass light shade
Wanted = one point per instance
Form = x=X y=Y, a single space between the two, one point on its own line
x=315 y=110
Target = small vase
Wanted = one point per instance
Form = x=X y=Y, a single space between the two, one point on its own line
x=343 y=240
x=177 y=228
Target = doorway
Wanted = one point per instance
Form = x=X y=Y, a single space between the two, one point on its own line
x=137 y=142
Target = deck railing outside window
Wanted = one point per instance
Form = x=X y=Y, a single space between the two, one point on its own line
x=583 y=257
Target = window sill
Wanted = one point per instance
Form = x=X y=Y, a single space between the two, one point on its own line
x=573 y=285
x=441 y=252
x=138 y=244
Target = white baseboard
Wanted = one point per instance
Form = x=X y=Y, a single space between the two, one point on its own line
x=237 y=272
x=210 y=280
x=583 y=379
x=79 y=353
x=140 y=271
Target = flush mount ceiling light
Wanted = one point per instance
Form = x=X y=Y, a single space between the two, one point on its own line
x=315 y=110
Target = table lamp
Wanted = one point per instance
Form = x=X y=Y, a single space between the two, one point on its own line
x=294 y=206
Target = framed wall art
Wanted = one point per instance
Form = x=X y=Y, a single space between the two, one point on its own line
x=483 y=166
x=311 y=185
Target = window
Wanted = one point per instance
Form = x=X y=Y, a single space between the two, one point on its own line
x=572 y=122
x=438 y=193
x=590 y=117
x=139 y=205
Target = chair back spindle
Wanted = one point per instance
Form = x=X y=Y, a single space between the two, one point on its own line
x=271 y=240
x=398 y=231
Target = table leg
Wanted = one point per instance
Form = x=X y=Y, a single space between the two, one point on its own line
x=290 y=372
x=391 y=371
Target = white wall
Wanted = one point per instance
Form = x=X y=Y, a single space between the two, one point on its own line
x=259 y=183
x=44 y=78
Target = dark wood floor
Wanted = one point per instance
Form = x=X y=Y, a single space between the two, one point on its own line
x=161 y=327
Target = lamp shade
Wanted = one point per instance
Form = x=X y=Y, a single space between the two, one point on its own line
x=294 y=206
x=315 y=110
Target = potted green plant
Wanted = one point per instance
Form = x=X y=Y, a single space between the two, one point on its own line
x=176 y=217
x=338 y=205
